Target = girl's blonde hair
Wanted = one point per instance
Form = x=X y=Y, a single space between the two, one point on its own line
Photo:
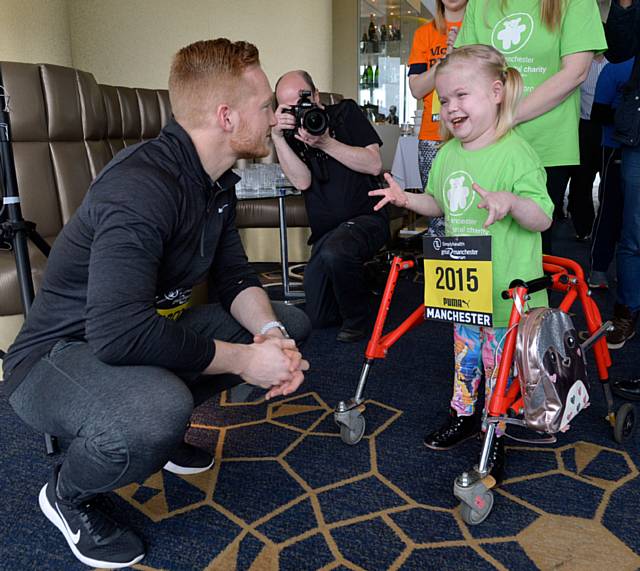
x=491 y=63
x=550 y=12
x=439 y=19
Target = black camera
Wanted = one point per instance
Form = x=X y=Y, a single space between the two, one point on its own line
x=309 y=116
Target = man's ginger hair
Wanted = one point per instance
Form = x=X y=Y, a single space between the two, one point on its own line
x=205 y=74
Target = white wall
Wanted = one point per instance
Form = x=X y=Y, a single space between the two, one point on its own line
x=345 y=48
x=35 y=31
x=130 y=42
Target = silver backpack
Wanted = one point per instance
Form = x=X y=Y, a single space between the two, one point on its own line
x=551 y=368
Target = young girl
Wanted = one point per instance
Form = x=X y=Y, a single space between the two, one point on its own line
x=431 y=43
x=505 y=197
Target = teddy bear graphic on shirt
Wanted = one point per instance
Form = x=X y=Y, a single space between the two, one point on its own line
x=511 y=34
x=457 y=194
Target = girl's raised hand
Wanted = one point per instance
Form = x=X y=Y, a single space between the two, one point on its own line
x=393 y=194
x=451 y=39
x=498 y=204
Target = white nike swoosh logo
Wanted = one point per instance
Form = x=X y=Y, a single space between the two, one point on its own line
x=75 y=537
x=222 y=208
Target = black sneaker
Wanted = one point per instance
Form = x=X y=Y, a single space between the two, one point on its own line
x=624 y=326
x=346 y=335
x=456 y=430
x=628 y=389
x=187 y=459
x=94 y=538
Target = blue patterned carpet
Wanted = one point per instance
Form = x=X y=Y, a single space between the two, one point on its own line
x=287 y=494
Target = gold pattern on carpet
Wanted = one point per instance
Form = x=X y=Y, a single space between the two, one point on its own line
x=551 y=540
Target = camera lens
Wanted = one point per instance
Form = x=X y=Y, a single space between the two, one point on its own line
x=315 y=121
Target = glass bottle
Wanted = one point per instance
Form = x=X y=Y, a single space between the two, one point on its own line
x=372 y=28
x=363 y=79
x=363 y=43
x=369 y=72
x=376 y=77
x=374 y=36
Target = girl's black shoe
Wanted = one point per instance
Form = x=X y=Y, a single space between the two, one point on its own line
x=456 y=430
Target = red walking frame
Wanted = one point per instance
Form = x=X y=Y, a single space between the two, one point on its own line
x=473 y=488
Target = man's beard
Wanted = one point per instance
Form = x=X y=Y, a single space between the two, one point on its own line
x=247 y=145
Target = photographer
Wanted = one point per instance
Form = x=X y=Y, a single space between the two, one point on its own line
x=335 y=165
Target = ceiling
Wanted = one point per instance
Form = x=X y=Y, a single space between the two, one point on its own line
x=383 y=7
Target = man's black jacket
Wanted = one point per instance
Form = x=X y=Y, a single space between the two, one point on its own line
x=152 y=226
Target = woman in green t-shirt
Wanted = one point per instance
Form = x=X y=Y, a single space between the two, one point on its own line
x=551 y=43
x=484 y=180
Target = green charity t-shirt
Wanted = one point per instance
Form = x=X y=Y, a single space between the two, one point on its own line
x=510 y=164
x=527 y=44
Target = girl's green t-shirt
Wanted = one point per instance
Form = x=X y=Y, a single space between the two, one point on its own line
x=519 y=34
x=510 y=165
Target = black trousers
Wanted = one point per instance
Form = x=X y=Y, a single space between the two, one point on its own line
x=606 y=230
x=123 y=422
x=334 y=280
x=557 y=180
x=583 y=175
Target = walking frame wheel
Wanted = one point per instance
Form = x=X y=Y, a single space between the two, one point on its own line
x=351 y=422
x=475 y=495
x=475 y=516
x=625 y=422
x=353 y=433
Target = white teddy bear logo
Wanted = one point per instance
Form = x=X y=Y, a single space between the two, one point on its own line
x=511 y=33
x=457 y=194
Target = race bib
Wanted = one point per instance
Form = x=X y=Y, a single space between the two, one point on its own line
x=458 y=279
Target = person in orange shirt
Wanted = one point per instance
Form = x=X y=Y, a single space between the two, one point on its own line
x=432 y=42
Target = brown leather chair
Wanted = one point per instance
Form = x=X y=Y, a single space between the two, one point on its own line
x=327 y=98
x=65 y=128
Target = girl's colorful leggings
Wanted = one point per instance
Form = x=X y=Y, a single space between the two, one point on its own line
x=474 y=348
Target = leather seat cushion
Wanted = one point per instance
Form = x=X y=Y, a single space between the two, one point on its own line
x=263 y=213
x=10 y=303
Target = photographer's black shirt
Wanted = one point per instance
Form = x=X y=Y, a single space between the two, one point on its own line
x=338 y=193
